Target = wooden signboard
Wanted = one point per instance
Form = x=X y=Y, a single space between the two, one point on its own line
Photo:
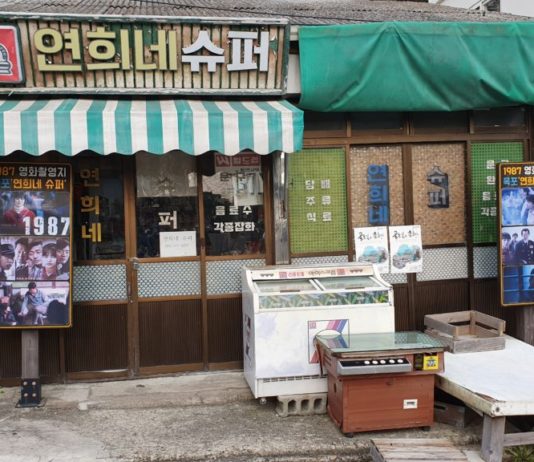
x=187 y=56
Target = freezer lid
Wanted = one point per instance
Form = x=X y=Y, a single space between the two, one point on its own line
x=286 y=286
x=349 y=283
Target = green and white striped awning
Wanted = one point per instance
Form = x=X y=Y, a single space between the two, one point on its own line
x=127 y=126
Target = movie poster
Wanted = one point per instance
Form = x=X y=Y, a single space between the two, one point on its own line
x=35 y=240
x=516 y=225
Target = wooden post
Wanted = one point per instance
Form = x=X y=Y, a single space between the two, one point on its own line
x=30 y=354
x=493 y=438
x=525 y=324
x=30 y=391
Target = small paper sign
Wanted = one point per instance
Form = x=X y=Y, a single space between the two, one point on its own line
x=177 y=244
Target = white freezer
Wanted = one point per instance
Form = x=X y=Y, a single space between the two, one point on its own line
x=285 y=307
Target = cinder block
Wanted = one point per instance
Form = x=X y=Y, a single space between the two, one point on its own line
x=314 y=403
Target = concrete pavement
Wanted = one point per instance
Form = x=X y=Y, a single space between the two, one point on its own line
x=191 y=417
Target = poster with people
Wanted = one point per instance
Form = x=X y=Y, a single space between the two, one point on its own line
x=35 y=241
x=516 y=223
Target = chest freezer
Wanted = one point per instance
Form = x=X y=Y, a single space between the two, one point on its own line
x=285 y=307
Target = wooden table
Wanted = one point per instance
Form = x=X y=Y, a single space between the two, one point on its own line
x=498 y=384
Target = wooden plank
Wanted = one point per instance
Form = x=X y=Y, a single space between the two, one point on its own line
x=26 y=54
x=493 y=438
x=419 y=449
x=225 y=75
x=30 y=354
x=456 y=316
x=518 y=439
x=490 y=321
x=440 y=325
x=69 y=80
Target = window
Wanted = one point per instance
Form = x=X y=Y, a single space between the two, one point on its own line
x=166 y=206
x=443 y=122
x=233 y=204
x=499 y=119
x=98 y=208
x=377 y=121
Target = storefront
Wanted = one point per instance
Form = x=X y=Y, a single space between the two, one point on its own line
x=181 y=178
x=171 y=194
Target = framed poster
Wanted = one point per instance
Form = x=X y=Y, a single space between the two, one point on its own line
x=516 y=225
x=35 y=241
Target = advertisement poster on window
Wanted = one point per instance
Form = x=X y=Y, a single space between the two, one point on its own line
x=516 y=223
x=35 y=240
x=406 y=249
x=371 y=245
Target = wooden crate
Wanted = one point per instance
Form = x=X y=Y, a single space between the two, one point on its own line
x=467 y=331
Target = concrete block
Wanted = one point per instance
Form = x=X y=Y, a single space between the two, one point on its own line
x=309 y=404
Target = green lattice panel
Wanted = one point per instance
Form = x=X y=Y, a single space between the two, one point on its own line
x=484 y=156
x=315 y=224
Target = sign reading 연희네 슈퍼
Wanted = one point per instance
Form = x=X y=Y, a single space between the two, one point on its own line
x=35 y=241
x=220 y=56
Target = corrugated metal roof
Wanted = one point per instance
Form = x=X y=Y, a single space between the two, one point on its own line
x=298 y=12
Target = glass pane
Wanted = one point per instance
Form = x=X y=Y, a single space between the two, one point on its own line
x=98 y=209
x=233 y=204
x=166 y=206
x=424 y=122
x=508 y=117
x=297 y=285
x=320 y=121
x=348 y=283
x=373 y=121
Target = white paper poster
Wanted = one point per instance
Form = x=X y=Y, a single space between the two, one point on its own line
x=406 y=249
x=371 y=245
x=177 y=244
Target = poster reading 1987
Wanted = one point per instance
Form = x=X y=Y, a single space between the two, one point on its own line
x=35 y=241
x=516 y=244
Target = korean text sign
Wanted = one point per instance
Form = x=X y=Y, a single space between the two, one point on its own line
x=516 y=226
x=212 y=55
x=35 y=241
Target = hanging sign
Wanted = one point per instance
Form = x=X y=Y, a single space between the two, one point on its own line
x=35 y=241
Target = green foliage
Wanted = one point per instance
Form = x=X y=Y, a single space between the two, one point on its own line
x=520 y=454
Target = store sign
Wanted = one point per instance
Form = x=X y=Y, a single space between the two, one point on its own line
x=185 y=56
x=438 y=198
x=484 y=158
x=35 y=241
x=10 y=56
x=516 y=225
x=378 y=181
x=91 y=226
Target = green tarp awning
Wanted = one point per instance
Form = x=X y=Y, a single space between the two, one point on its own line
x=416 y=66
